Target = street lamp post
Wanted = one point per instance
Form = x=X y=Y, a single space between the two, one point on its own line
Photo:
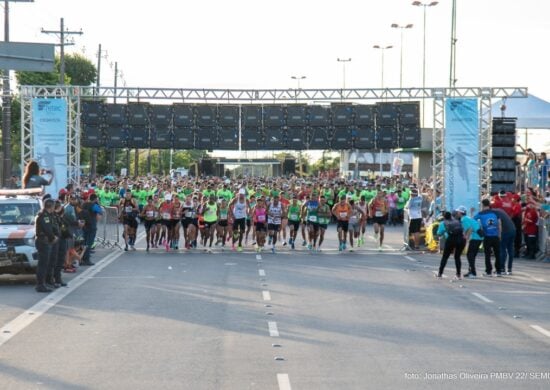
x=343 y=61
x=424 y=6
x=402 y=28
x=298 y=80
x=382 y=50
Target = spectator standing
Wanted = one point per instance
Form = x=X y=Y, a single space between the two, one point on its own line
x=454 y=243
x=491 y=225
x=89 y=214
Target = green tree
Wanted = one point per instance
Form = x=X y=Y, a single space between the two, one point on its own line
x=80 y=70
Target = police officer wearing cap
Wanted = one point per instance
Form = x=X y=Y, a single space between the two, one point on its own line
x=44 y=241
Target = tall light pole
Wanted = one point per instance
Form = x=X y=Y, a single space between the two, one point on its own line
x=452 y=75
x=6 y=100
x=343 y=61
x=425 y=7
x=382 y=50
x=402 y=28
x=298 y=80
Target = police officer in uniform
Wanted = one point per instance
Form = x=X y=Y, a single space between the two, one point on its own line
x=45 y=240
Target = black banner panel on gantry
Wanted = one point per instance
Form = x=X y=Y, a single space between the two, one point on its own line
x=338 y=126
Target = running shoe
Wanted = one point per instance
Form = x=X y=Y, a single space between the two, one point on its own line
x=284 y=243
x=126 y=248
x=273 y=250
x=309 y=246
x=340 y=247
x=239 y=248
x=470 y=275
x=458 y=277
x=438 y=276
x=304 y=243
x=292 y=245
x=379 y=248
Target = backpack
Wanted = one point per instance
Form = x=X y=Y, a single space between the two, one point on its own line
x=85 y=214
x=454 y=228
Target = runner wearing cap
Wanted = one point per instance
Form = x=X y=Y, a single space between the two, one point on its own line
x=324 y=214
x=414 y=209
x=238 y=210
x=259 y=216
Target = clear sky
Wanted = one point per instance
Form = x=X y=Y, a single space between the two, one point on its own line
x=261 y=43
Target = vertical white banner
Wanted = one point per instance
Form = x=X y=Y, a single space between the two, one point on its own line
x=49 y=118
x=461 y=153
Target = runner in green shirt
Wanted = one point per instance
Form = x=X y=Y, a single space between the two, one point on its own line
x=294 y=216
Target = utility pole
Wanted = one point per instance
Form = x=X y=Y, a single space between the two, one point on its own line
x=62 y=33
x=452 y=75
x=113 y=151
x=93 y=164
x=6 y=101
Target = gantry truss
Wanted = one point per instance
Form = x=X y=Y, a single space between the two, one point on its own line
x=74 y=95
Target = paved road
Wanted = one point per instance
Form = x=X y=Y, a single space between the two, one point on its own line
x=362 y=320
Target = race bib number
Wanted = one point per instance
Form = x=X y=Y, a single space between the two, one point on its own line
x=277 y=220
x=313 y=218
x=294 y=217
x=128 y=209
x=343 y=215
x=378 y=214
x=165 y=215
x=261 y=218
x=150 y=214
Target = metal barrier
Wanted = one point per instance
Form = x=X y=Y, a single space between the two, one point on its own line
x=544 y=239
x=406 y=235
x=108 y=229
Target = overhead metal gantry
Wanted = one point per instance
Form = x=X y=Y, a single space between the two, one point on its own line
x=74 y=96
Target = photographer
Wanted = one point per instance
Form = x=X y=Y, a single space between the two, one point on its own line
x=32 y=178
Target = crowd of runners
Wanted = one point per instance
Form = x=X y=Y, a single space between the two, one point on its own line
x=217 y=212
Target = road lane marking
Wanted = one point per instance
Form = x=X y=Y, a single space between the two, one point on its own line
x=526 y=292
x=266 y=295
x=541 y=330
x=261 y=272
x=122 y=277
x=283 y=381
x=483 y=298
x=22 y=321
x=258 y=257
x=410 y=258
x=273 y=331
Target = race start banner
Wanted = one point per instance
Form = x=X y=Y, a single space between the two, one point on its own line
x=49 y=118
x=461 y=154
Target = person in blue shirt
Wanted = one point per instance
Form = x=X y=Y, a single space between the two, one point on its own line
x=491 y=225
x=473 y=239
x=454 y=242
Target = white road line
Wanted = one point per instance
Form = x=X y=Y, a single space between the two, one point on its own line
x=541 y=330
x=266 y=295
x=410 y=258
x=261 y=272
x=483 y=298
x=284 y=382
x=15 y=326
x=273 y=331
x=258 y=257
